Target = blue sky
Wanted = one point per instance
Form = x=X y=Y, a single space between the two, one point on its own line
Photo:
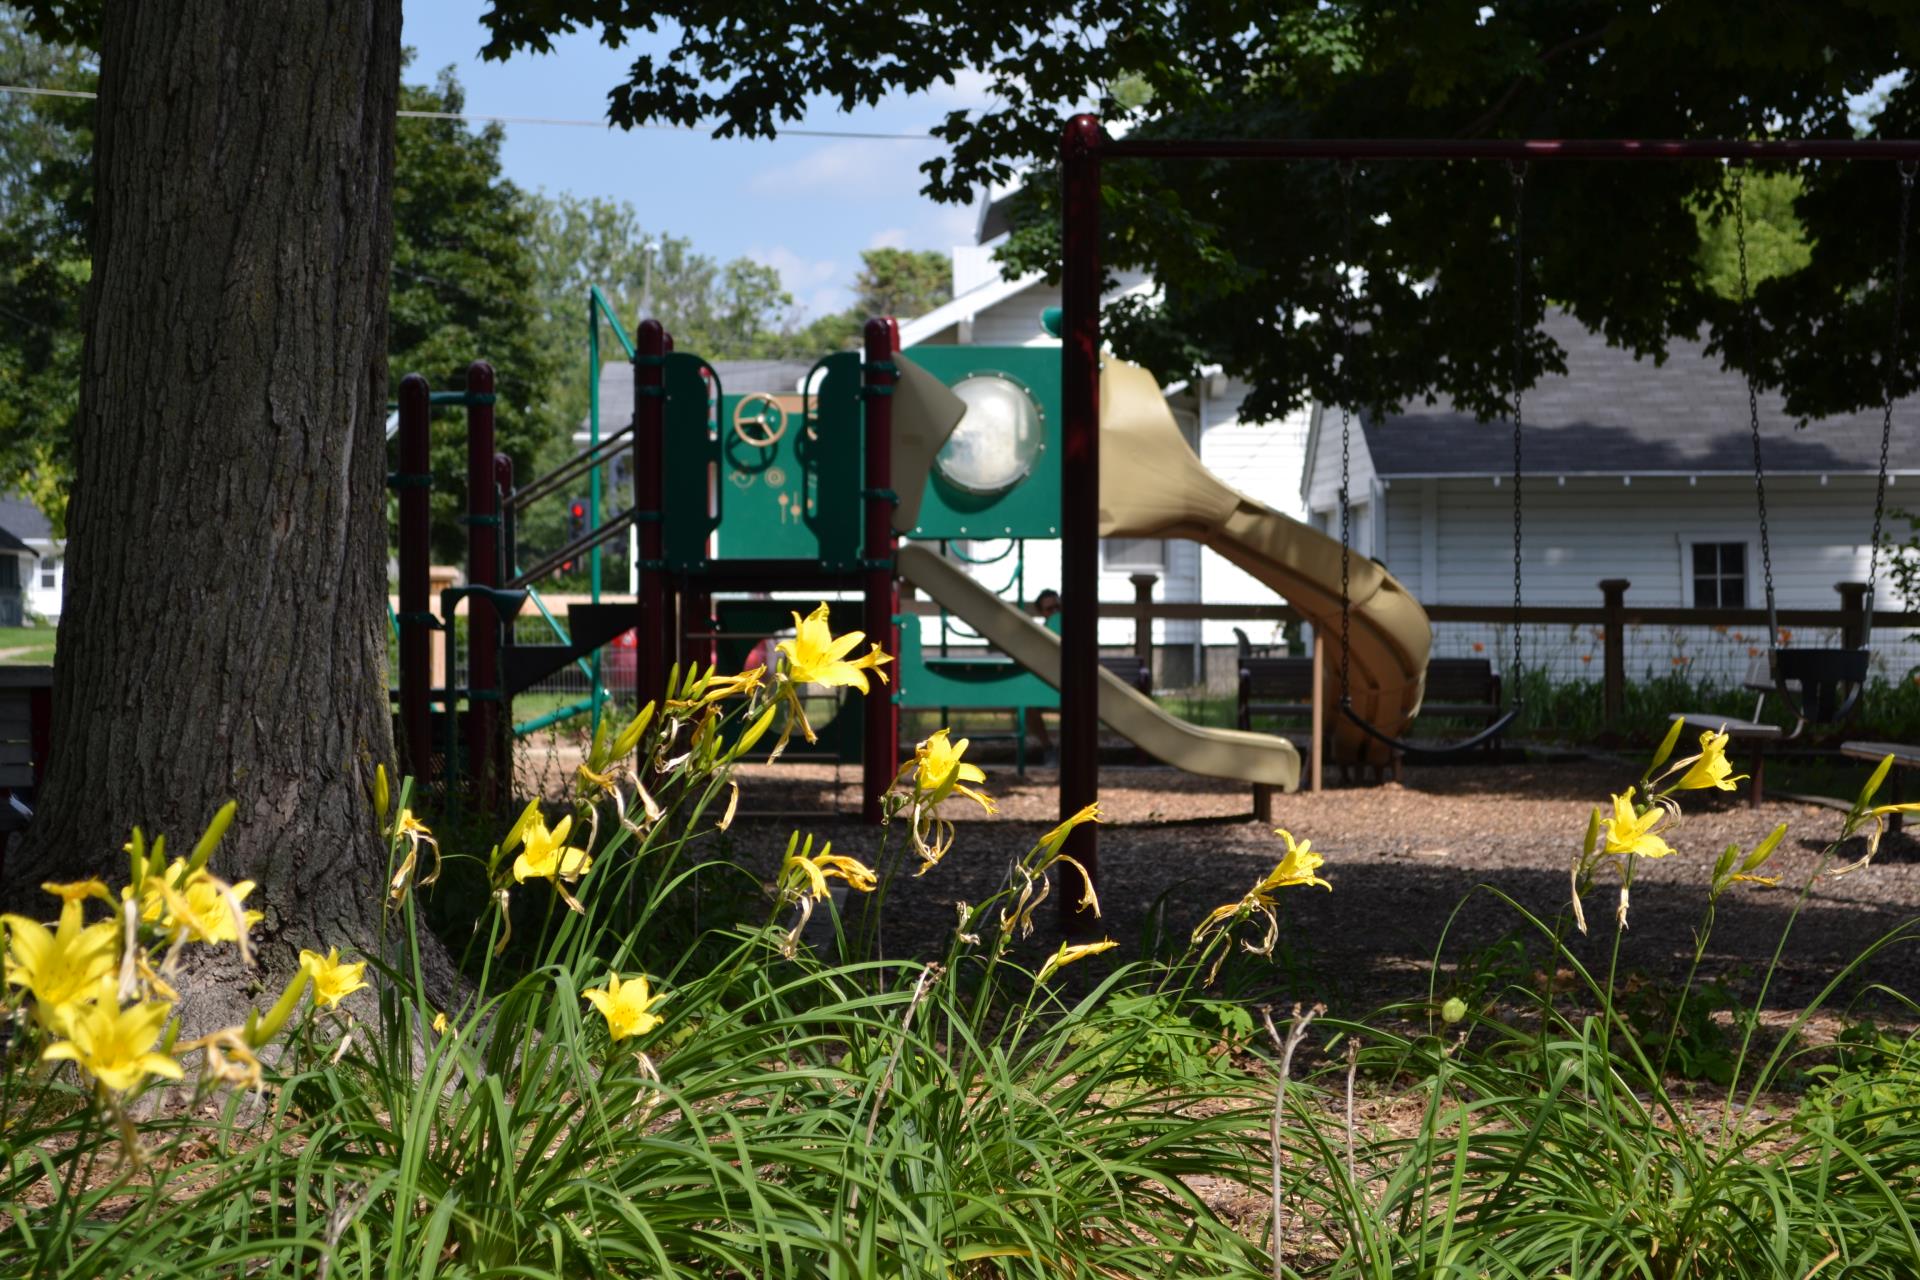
x=805 y=206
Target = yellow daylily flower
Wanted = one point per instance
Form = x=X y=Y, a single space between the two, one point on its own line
x=332 y=980
x=66 y=968
x=195 y=905
x=1067 y=954
x=115 y=1045
x=816 y=656
x=626 y=1006
x=545 y=854
x=1710 y=768
x=939 y=771
x=1631 y=833
x=1296 y=867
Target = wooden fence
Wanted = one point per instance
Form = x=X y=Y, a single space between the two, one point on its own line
x=1612 y=617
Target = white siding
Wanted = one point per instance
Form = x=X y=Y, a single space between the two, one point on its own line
x=42 y=598
x=1262 y=460
x=1587 y=529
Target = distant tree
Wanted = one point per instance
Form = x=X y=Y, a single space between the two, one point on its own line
x=465 y=287
x=902 y=282
x=46 y=199
x=1250 y=254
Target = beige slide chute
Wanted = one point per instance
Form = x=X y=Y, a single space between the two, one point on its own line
x=1153 y=486
x=1212 y=753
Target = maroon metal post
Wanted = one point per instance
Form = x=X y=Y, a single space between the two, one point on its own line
x=881 y=754
x=654 y=638
x=1080 y=494
x=1512 y=149
x=483 y=570
x=503 y=496
x=416 y=635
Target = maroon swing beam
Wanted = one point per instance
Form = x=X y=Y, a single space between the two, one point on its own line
x=1083 y=146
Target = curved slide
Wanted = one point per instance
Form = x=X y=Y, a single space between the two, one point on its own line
x=1214 y=753
x=1153 y=486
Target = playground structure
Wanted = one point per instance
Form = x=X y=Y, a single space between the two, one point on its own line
x=812 y=493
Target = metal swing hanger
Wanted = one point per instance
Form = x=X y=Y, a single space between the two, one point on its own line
x=1500 y=724
x=1823 y=685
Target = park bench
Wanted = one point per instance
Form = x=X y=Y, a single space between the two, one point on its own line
x=1463 y=689
x=1129 y=668
x=25 y=700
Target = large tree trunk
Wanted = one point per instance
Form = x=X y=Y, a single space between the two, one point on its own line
x=223 y=635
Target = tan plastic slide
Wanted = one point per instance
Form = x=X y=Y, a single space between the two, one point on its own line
x=1213 y=753
x=1153 y=486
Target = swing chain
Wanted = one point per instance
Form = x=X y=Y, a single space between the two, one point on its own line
x=1519 y=171
x=1889 y=371
x=1346 y=171
x=1747 y=349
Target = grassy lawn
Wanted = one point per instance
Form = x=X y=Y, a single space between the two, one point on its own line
x=26 y=646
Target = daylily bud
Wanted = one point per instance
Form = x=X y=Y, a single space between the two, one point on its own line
x=630 y=736
x=1764 y=850
x=210 y=839
x=754 y=732
x=1667 y=745
x=382 y=794
x=260 y=1030
x=1873 y=783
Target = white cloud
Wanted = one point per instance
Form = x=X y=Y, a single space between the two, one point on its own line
x=799 y=275
x=891 y=238
x=854 y=169
x=971 y=87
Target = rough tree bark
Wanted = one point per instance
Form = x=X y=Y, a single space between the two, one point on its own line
x=223 y=633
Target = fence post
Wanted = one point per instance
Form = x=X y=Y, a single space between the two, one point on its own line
x=1613 y=697
x=1855 y=629
x=1143 y=584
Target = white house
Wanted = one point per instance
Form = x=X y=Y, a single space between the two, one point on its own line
x=32 y=563
x=1631 y=471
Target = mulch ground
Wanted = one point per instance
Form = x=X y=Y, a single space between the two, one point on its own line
x=1407 y=860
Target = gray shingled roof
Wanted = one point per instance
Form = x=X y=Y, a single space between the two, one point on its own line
x=1614 y=414
x=22 y=519
x=737 y=377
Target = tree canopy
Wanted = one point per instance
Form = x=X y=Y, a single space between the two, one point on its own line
x=1250 y=254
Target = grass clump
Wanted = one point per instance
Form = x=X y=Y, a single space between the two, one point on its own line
x=614 y=1093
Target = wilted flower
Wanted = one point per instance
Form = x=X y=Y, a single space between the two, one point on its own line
x=1068 y=953
x=1297 y=867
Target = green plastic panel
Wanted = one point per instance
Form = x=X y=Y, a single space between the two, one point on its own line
x=1031 y=507
x=691 y=454
x=797 y=498
x=969 y=678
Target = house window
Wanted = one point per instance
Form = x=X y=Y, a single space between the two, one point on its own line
x=50 y=573
x=1719 y=575
x=1133 y=554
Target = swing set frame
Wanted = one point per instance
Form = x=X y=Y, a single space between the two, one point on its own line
x=1084 y=146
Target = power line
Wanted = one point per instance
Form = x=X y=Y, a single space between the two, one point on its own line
x=856 y=134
